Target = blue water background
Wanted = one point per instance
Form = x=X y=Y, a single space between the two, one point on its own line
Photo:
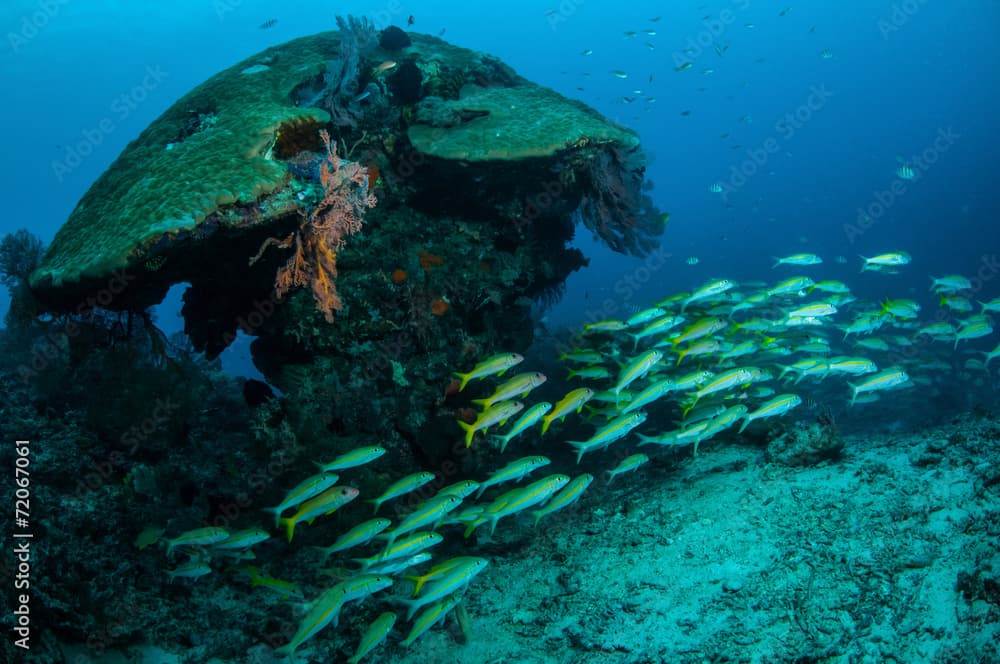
x=900 y=74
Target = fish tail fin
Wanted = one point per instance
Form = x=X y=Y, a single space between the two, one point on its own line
x=465 y=378
x=864 y=266
x=546 y=421
x=470 y=431
x=376 y=502
x=289 y=527
x=502 y=440
x=485 y=403
x=537 y=515
x=687 y=408
x=854 y=393
x=746 y=422
x=580 y=446
x=777 y=262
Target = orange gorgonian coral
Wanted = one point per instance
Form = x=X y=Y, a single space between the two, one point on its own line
x=322 y=234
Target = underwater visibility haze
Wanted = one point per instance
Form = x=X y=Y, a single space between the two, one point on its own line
x=461 y=332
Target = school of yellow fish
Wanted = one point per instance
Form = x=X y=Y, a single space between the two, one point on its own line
x=725 y=355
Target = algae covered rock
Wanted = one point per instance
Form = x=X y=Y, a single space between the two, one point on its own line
x=510 y=123
x=211 y=150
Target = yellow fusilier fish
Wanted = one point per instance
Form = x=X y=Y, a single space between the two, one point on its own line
x=702 y=327
x=659 y=326
x=360 y=534
x=883 y=380
x=856 y=366
x=830 y=286
x=816 y=310
x=637 y=368
x=523 y=423
x=726 y=380
x=520 y=385
x=393 y=567
x=720 y=423
x=308 y=488
x=573 y=400
x=790 y=285
x=373 y=636
x=354 y=458
x=882 y=261
x=325 y=609
x=779 y=405
x=429 y=618
x=645 y=316
x=679 y=437
x=496 y=414
x=582 y=356
x=431 y=511
x=589 y=372
x=438 y=571
x=627 y=464
x=461 y=488
x=704 y=347
x=569 y=495
x=901 y=308
x=497 y=364
x=286 y=589
x=401 y=487
x=650 y=394
x=517 y=500
x=197 y=537
x=711 y=289
x=973 y=331
x=798 y=259
x=692 y=380
x=748 y=347
x=449 y=583
x=325 y=503
x=243 y=539
x=408 y=546
x=605 y=326
x=192 y=569
x=865 y=323
x=514 y=471
x=956 y=303
x=614 y=430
